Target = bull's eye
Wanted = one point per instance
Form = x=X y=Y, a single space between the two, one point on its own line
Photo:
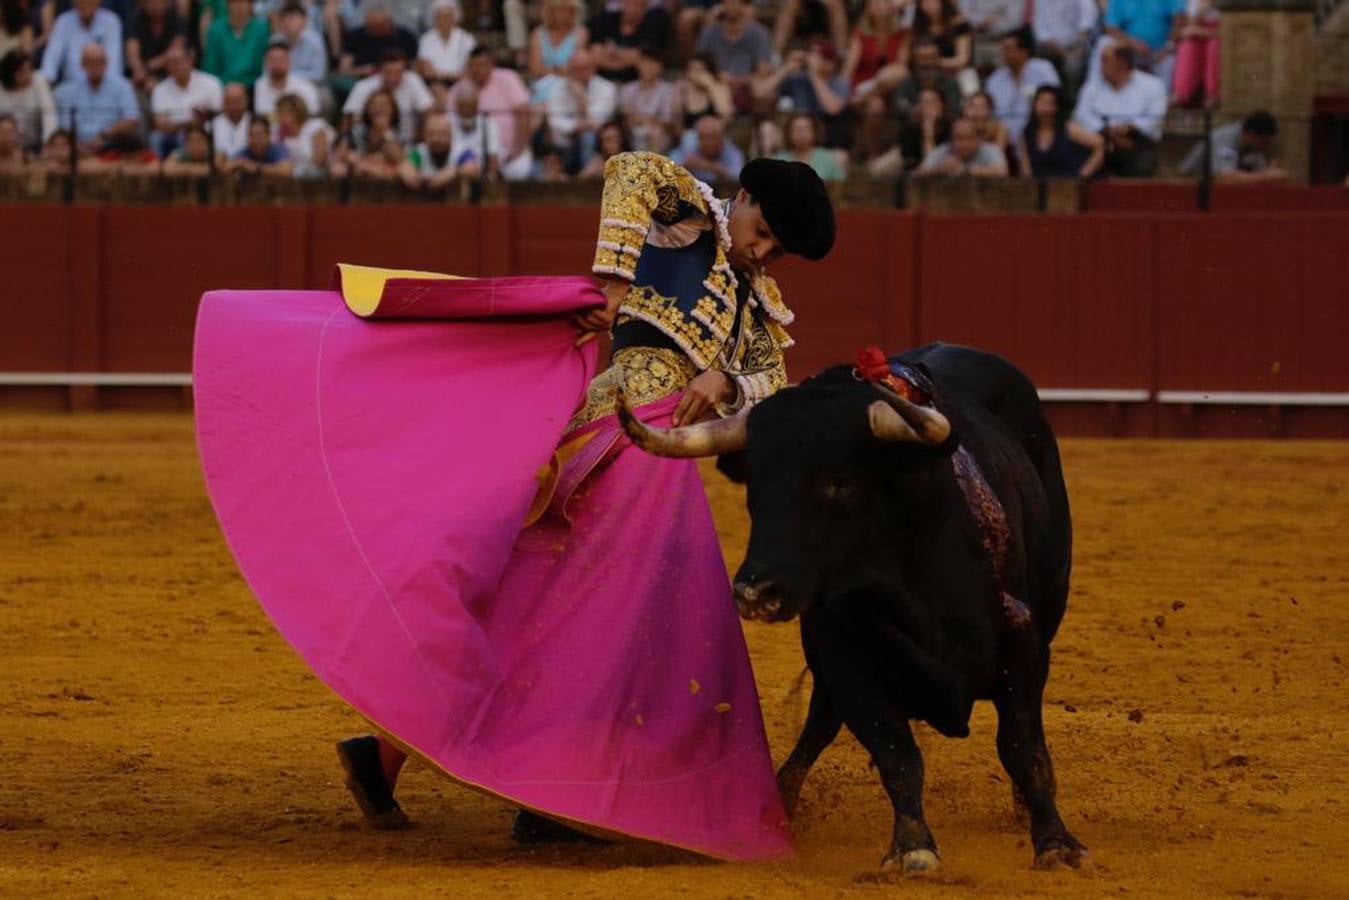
x=837 y=488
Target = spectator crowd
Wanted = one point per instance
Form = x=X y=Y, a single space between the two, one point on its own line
x=416 y=91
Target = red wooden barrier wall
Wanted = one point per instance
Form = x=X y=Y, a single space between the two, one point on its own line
x=1232 y=302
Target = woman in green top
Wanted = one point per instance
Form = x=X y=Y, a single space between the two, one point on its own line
x=802 y=136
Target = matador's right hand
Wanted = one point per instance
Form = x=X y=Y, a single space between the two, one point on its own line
x=593 y=321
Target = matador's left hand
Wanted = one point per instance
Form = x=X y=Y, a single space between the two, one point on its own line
x=702 y=395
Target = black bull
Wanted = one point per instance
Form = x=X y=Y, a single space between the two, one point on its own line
x=860 y=527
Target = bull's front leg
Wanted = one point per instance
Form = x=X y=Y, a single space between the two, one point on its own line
x=822 y=726
x=1025 y=756
x=833 y=640
x=913 y=850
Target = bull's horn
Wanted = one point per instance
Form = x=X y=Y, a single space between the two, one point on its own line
x=703 y=439
x=897 y=420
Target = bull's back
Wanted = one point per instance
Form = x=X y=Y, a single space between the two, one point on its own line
x=1009 y=396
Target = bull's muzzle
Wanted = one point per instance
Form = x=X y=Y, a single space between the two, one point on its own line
x=761 y=600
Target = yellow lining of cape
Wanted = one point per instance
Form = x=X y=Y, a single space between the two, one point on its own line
x=362 y=287
x=549 y=474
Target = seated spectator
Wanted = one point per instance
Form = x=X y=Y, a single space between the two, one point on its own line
x=430 y=166
x=308 y=53
x=407 y=89
x=989 y=21
x=76 y=28
x=990 y=129
x=649 y=106
x=740 y=48
x=965 y=154
x=551 y=167
x=261 y=155
x=308 y=139
x=16 y=27
x=556 y=38
x=1012 y=84
x=803 y=133
x=25 y=95
x=826 y=19
x=1196 y=76
x=1146 y=27
x=229 y=130
x=277 y=80
x=503 y=97
x=940 y=22
x=926 y=73
x=924 y=128
x=155 y=28
x=374 y=149
x=1127 y=108
x=617 y=38
x=186 y=97
x=768 y=139
x=690 y=18
x=13 y=158
x=474 y=140
x=235 y=44
x=366 y=47
x=611 y=140
x=443 y=50
x=1240 y=153
x=878 y=53
x=877 y=63
x=56 y=155
x=810 y=83
x=1054 y=146
x=1063 y=30
x=707 y=153
x=193 y=156
x=100 y=109
x=575 y=106
x=702 y=92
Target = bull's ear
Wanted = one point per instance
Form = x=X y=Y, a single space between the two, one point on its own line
x=734 y=466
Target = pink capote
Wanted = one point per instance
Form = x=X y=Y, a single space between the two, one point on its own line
x=372 y=479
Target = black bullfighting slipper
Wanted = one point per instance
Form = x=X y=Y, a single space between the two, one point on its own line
x=365 y=779
x=532 y=828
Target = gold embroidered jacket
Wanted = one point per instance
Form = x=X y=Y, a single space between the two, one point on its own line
x=665 y=232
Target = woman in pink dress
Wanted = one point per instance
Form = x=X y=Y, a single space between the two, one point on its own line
x=1196 y=77
x=445 y=519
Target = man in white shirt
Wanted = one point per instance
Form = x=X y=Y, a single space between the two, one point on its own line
x=475 y=137
x=410 y=93
x=229 y=130
x=1013 y=84
x=965 y=155
x=443 y=51
x=1127 y=108
x=578 y=104
x=278 y=80
x=188 y=96
x=1063 y=31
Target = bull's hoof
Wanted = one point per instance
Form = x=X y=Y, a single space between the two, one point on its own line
x=1054 y=858
x=912 y=863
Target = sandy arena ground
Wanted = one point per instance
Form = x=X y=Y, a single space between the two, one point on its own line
x=158 y=737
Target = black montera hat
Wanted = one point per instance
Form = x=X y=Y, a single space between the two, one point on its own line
x=795 y=205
